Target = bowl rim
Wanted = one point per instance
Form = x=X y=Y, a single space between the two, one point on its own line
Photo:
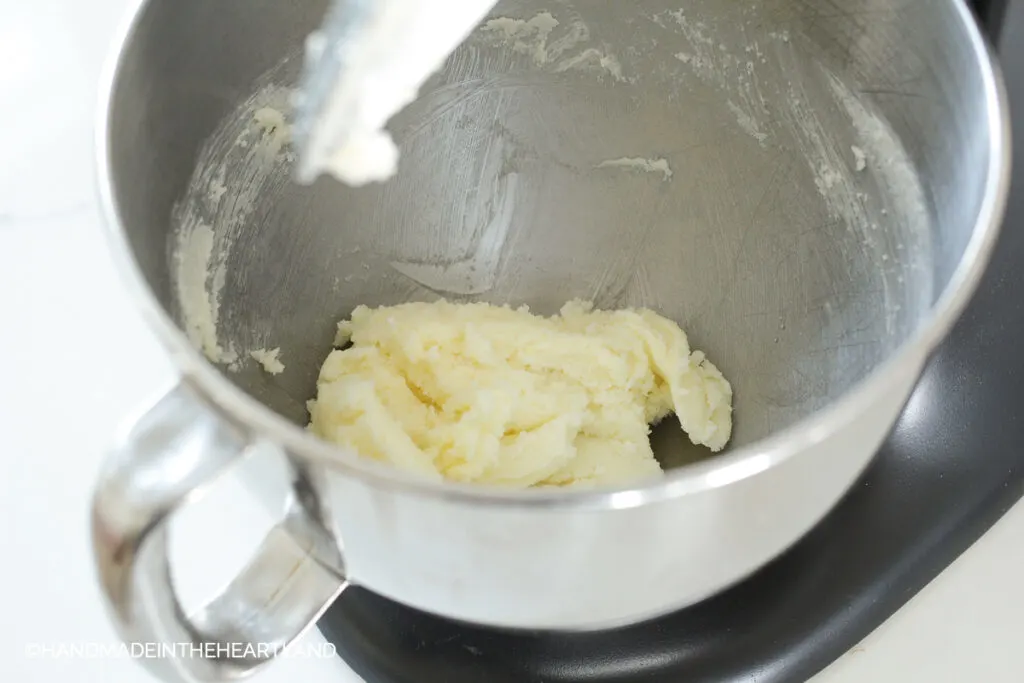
x=734 y=465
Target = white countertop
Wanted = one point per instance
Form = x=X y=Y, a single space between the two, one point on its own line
x=79 y=362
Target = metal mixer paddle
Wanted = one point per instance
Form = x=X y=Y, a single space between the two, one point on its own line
x=365 y=63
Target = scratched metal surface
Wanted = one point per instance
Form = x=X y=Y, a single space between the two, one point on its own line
x=773 y=175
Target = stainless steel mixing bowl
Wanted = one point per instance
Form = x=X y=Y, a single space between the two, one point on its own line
x=812 y=191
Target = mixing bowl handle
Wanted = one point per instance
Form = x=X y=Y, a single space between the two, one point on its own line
x=169 y=458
